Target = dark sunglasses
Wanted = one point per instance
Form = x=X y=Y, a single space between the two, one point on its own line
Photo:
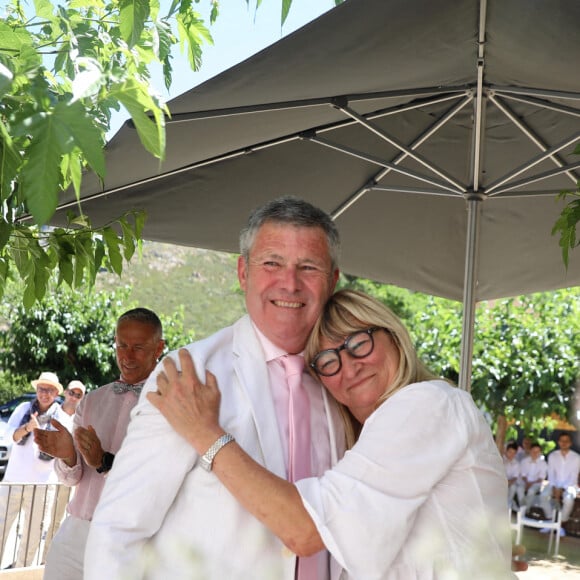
x=73 y=394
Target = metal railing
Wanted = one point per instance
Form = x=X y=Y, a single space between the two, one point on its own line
x=30 y=515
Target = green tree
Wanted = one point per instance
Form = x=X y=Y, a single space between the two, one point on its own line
x=72 y=334
x=63 y=70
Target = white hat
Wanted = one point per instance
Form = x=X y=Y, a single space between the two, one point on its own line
x=48 y=378
x=76 y=385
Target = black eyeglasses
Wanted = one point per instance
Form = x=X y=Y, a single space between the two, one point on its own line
x=328 y=363
x=73 y=394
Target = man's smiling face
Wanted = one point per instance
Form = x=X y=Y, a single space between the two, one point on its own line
x=287 y=280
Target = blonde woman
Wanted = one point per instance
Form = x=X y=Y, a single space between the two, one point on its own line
x=421 y=493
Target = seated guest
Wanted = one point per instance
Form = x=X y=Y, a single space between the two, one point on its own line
x=421 y=493
x=563 y=470
x=533 y=470
x=512 y=471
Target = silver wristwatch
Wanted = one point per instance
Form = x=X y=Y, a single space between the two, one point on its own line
x=206 y=460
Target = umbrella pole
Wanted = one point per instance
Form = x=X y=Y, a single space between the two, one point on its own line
x=469 y=283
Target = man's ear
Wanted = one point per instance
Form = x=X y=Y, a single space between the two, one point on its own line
x=242 y=272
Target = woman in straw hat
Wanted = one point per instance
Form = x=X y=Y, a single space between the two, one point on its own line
x=27 y=464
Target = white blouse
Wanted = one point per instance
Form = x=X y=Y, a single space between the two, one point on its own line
x=420 y=496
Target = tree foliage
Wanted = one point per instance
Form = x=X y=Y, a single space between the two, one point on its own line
x=63 y=70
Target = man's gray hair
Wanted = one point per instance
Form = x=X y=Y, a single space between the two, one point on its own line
x=145 y=316
x=292 y=211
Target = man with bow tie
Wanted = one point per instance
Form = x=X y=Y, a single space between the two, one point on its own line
x=100 y=425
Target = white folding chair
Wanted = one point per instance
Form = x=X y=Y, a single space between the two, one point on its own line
x=553 y=525
x=516 y=524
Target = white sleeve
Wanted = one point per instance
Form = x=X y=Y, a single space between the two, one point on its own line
x=146 y=476
x=366 y=505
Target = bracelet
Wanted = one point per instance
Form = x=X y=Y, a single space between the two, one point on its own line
x=206 y=461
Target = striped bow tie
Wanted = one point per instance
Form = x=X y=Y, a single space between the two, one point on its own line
x=119 y=387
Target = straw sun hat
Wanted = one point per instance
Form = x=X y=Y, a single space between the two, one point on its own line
x=50 y=379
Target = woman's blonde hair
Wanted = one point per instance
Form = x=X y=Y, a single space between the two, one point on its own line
x=348 y=311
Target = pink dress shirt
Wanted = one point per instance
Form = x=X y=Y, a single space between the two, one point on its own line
x=109 y=414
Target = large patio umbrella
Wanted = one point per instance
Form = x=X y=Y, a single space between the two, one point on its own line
x=436 y=132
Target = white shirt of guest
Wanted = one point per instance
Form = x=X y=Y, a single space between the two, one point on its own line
x=25 y=465
x=563 y=469
x=534 y=470
x=512 y=468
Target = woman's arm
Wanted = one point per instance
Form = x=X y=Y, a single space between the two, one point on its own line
x=192 y=409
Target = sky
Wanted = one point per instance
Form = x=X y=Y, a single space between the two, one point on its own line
x=239 y=32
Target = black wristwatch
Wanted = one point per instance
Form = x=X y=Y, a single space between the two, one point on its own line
x=106 y=463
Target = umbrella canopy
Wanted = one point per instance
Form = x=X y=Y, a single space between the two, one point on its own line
x=438 y=135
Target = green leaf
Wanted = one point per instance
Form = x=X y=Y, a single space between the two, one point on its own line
x=193 y=33
x=98 y=259
x=6 y=77
x=13 y=41
x=132 y=17
x=44 y=9
x=285 y=9
x=74 y=122
x=112 y=240
x=128 y=239
x=41 y=173
x=5 y=231
x=136 y=99
x=10 y=161
x=89 y=78
x=19 y=250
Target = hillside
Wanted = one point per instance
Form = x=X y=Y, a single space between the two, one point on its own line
x=167 y=277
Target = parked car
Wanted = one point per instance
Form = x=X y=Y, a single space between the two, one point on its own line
x=6 y=409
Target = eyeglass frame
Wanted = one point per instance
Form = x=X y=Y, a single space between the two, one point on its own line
x=344 y=346
x=73 y=394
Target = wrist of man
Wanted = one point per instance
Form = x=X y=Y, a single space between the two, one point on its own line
x=106 y=462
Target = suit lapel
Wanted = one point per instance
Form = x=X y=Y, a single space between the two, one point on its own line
x=252 y=374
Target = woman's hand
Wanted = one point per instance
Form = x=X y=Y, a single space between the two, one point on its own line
x=190 y=406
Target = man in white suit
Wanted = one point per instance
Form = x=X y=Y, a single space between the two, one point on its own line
x=162 y=513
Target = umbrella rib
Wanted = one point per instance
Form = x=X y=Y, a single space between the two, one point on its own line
x=377 y=161
x=509 y=90
x=399 y=159
x=534 y=161
x=537 y=177
x=448 y=93
x=528 y=133
x=396 y=143
x=372 y=184
x=540 y=103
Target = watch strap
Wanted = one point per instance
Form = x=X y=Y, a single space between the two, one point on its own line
x=106 y=463
x=206 y=460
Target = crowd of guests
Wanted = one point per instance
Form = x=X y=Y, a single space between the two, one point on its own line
x=307 y=441
x=536 y=482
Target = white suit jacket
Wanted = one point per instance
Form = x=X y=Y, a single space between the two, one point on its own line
x=162 y=516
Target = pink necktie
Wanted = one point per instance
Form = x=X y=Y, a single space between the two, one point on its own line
x=299 y=465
